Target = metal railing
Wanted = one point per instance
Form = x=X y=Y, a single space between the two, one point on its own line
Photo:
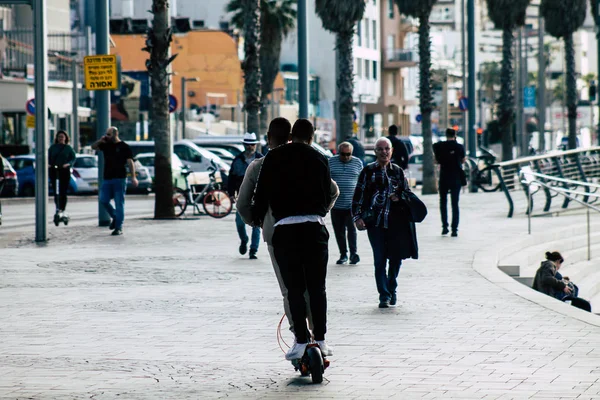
x=574 y=168
x=530 y=179
x=401 y=55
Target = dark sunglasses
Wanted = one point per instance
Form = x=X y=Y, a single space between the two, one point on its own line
x=346 y=154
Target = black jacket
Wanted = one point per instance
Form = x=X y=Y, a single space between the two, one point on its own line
x=294 y=180
x=400 y=154
x=237 y=172
x=545 y=280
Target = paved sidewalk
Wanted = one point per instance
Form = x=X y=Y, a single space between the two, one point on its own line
x=171 y=311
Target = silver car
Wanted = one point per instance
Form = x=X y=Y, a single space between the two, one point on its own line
x=85 y=171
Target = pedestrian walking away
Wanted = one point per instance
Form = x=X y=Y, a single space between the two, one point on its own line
x=345 y=169
x=295 y=182
x=117 y=154
x=278 y=135
x=376 y=207
x=238 y=169
x=450 y=155
x=400 y=152
x=61 y=158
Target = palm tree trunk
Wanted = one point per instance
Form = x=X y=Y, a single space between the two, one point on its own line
x=506 y=110
x=160 y=36
x=251 y=64
x=571 y=90
x=426 y=104
x=264 y=116
x=345 y=83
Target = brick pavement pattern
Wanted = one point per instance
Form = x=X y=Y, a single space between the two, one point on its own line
x=171 y=311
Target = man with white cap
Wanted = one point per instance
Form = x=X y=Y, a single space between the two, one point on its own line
x=236 y=176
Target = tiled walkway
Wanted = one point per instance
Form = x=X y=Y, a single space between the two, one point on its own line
x=171 y=311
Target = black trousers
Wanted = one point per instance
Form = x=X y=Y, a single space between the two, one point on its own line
x=342 y=220
x=302 y=254
x=452 y=187
x=64 y=178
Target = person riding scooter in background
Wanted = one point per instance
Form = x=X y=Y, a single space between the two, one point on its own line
x=61 y=158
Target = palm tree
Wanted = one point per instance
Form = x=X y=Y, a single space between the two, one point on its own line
x=251 y=64
x=422 y=10
x=277 y=19
x=563 y=18
x=158 y=45
x=490 y=78
x=341 y=17
x=507 y=15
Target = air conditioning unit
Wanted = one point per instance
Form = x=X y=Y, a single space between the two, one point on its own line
x=198 y=23
x=181 y=25
x=139 y=25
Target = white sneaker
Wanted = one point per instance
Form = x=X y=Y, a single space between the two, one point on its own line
x=296 y=352
x=325 y=349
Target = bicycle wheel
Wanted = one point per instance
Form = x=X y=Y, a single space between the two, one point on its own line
x=486 y=180
x=179 y=202
x=217 y=204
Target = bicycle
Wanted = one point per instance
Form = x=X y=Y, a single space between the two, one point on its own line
x=483 y=177
x=215 y=202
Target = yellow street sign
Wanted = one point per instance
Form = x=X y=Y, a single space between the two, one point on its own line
x=30 y=121
x=101 y=72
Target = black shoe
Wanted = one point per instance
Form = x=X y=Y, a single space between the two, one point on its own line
x=384 y=304
x=445 y=231
x=243 y=248
x=117 y=232
x=112 y=225
x=354 y=259
x=253 y=255
x=393 y=300
x=454 y=234
x=342 y=260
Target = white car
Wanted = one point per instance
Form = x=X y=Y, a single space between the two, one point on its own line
x=415 y=169
x=85 y=172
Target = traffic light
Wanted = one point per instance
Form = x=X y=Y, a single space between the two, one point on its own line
x=592 y=91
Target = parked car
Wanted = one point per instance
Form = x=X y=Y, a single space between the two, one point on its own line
x=144 y=179
x=25 y=168
x=147 y=160
x=224 y=154
x=415 y=168
x=85 y=171
x=231 y=143
x=11 y=183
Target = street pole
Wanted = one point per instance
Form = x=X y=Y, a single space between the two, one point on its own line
x=464 y=62
x=75 y=122
x=598 y=57
x=541 y=86
x=525 y=81
x=302 y=59
x=472 y=143
x=102 y=100
x=519 y=86
x=183 y=105
x=41 y=119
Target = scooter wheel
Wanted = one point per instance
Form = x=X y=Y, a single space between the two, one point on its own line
x=316 y=364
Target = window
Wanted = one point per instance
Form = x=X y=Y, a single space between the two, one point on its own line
x=374 y=70
x=86 y=162
x=367 y=69
x=367 y=37
x=359 y=33
x=375 y=35
x=359 y=67
x=391 y=83
x=391 y=9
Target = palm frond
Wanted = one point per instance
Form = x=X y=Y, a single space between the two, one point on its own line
x=340 y=15
x=563 y=17
x=507 y=14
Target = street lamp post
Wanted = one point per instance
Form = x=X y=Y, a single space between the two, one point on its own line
x=183 y=101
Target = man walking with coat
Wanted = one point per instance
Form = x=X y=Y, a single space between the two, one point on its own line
x=239 y=165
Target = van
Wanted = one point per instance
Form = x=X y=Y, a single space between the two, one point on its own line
x=197 y=158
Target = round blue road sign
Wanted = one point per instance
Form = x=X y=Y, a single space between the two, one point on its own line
x=419 y=118
x=30 y=106
x=172 y=103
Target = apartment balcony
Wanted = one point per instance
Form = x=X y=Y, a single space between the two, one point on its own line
x=400 y=58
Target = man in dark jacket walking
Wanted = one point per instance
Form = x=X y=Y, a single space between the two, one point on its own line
x=450 y=155
x=400 y=152
x=295 y=182
x=239 y=165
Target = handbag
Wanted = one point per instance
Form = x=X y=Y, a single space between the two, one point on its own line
x=416 y=209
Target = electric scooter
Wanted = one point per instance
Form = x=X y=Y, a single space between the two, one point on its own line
x=60 y=215
x=313 y=361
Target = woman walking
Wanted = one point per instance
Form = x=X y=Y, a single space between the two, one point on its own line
x=376 y=207
x=61 y=158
